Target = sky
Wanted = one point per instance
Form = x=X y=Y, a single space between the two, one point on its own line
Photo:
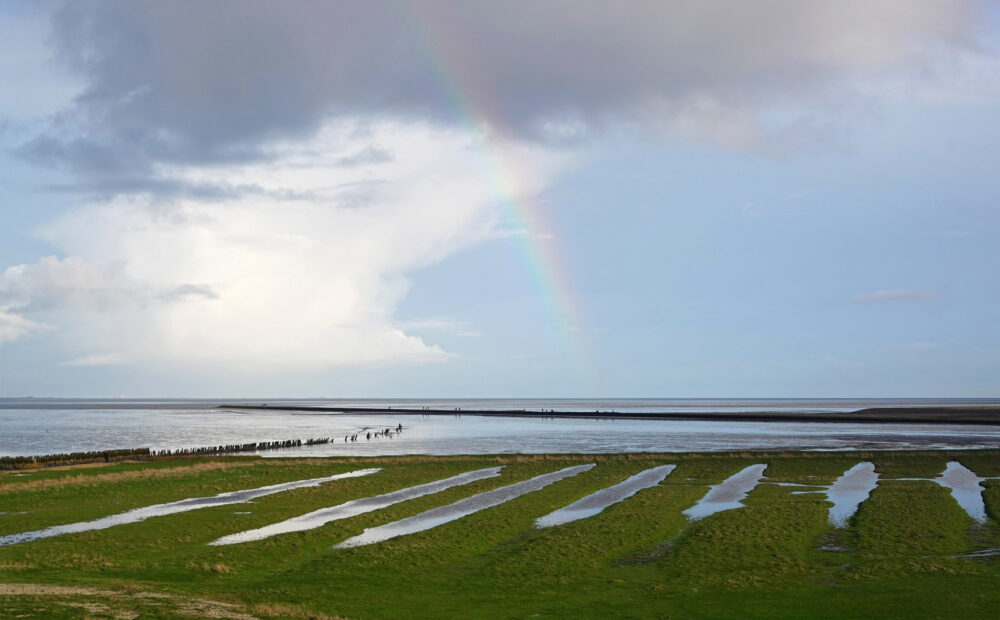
x=569 y=198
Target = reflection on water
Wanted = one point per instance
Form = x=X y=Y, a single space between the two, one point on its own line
x=729 y=494
x=849 y=490
x=983 y=553
x=965 y=488
x=184 y=505
x=356 y=507
x=599 y=500
x=462 y=508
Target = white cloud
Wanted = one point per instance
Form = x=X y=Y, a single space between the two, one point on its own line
x=307 y=278
x=441 y=325
x=53 y=282
x=97 y=359
x=524 y=232
x=14 y=326
x=902 y=295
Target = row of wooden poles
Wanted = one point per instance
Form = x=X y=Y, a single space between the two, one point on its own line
x=9 y=463
x=242 y=447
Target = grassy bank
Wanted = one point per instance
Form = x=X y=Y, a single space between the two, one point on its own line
x=776 y=557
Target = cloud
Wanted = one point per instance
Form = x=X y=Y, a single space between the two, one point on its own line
x=370 y=154
x=14 y=326
x=189 y=82
x=896 y=295
x=102 y=359
x=54 y=282
x=252 y=278
x=169 y=188
x=189 y=291
x=447 y=326
x=519 y=232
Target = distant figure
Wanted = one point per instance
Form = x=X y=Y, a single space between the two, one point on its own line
x=369 y=437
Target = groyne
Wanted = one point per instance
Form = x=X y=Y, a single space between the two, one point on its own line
x=14 y=463
x=73 y=458
x=243 y=447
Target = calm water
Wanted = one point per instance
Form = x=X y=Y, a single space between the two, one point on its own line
x=353 y=508
x=728 y=495
x=965 y=487
x=184 y=505
x=848 y=491
x=597 y=501
x=462 y=508
x=53 y=426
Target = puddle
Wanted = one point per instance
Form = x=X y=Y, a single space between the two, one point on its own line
x=599 y=500
x=985 y=553
x=353 y=508
x=462 y=508
x=965 y=488
x=184 y=505
x=729 y=494
x=848 y=491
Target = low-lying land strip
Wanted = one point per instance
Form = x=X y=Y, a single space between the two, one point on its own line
x=910 y=549
x=921 y=415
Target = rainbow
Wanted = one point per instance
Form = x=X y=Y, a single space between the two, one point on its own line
x=471 y=97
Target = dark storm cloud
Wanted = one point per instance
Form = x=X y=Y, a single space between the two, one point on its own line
x=192 y=81
x=107 y=186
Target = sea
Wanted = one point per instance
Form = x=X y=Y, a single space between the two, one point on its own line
x=36 y=426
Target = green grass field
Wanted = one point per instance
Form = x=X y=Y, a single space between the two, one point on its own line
x=776 y=557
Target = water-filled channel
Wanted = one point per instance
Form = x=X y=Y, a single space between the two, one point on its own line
x=729 y=494
x=965 y=488
x=354 y=508
x=462 y=508
x=184 y=505
x=599 y=500
x=848 y=491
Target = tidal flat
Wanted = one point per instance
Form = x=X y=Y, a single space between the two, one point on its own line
x=910 y=549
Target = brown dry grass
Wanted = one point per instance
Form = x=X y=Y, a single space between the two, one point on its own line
x=287 y=610
x=172 y=472
x=186 y=605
